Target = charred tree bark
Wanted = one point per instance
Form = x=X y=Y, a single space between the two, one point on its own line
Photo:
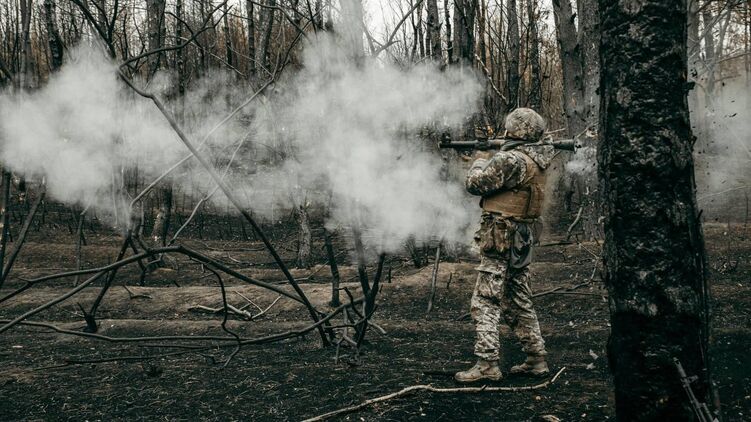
x=481 y=25
x=155 y=32
x=304 y=237
x=28 y=79
x=252 y=68
x=654 y=253
x=434 y=30
x=179 y=54
x=449 y=43
x=512 y=37
x=535 y=83
x=53 y=35
x=262 y=54
x=163 y=217
x=230 y=56
x=4 y=218
x=331 y=256
x=580 y=70
x=464 y=30
x=156 y=29
x=588 y=41
x=571 y=65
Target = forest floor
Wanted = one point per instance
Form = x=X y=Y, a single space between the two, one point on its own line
x=297 y=379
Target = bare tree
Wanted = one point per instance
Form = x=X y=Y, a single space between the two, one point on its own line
x=434 y=30
x=155 y=36
x=654 y=250
x=512 y=37
x=53 y=35
x=267 y=21
x=464 y=31
x=535 y=84
x=252 y=68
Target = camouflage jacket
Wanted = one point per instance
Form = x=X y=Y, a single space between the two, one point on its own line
x=506 y=170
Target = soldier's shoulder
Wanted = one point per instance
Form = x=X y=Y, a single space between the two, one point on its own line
x=541 y=154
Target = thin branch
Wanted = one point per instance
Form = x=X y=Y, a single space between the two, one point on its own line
x=430 y=388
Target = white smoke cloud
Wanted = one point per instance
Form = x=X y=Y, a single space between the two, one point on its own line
x=723 y=150
x=335 y=134
x=350 y=129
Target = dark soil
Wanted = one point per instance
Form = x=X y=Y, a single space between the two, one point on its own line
x=296 y=379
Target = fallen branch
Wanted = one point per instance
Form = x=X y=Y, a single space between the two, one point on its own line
x=428 y=387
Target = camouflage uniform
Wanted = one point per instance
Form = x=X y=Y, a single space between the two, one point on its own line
x=502 y=287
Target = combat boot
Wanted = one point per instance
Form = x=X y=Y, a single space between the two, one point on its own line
x=534 y=366
x=483 y=370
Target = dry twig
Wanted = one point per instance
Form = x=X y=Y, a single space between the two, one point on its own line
x=430 y=388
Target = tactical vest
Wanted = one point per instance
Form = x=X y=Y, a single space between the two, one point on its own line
x=524 y=202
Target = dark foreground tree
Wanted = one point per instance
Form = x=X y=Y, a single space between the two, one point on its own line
x=654 y=250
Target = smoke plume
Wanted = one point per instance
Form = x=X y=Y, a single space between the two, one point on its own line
x=339 y=134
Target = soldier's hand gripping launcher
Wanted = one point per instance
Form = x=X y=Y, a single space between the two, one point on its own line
x=506 y=144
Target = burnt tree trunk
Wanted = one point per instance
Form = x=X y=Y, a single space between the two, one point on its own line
x=251 y=38
x=28 y=76
x=156 y=34
x=262 y=53
x=571 y=66
x=654 y=257
x=304 y=237
x=512 y=38
x=228 y=51
x=53 y=35
x=331 y=256
x=449 y=43
x=535 y=83
x=464 y=30
x=4 y=218
x=434 y=30
x=179 y=53
x=580 y=70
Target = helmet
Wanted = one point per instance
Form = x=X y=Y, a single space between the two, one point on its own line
x=525 y=124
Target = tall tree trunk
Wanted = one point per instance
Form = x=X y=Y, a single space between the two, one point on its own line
x=535 y=83
x=304 y=237
x=481 y=15
x=512 y=37
x=434 y=30
x=449 y=43
x=262 y=54
x=179 y=54
x=27 y=79
x=4 y=217
x=163 y=216
x=155 y=38
x=229 y=54
x=464 y=30
x=155 y=33
x=655 y=265
x=588 y=41
x=252 y=68
x=571 y=66
x=420 y=36
x=53 y=35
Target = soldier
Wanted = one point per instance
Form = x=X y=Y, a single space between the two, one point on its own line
x=511 y=185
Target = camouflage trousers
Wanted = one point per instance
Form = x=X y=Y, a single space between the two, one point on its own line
x=501 y=291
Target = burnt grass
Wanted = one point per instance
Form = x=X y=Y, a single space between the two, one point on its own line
x=297 y=378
